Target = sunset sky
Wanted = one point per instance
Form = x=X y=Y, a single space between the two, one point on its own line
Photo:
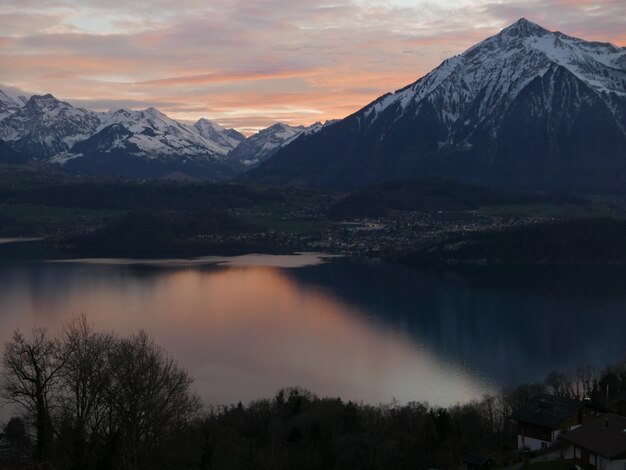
x=247 y=64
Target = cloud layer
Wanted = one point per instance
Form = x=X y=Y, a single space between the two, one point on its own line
x=250 y=63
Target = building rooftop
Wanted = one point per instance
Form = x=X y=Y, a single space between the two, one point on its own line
x=547 y=410
x=605 y=436
x=475 y=459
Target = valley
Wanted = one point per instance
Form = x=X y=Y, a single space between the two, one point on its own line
x=396 y=220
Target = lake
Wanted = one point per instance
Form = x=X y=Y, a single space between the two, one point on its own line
x=362 y=330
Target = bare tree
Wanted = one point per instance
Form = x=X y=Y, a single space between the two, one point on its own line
x=585 y=380
x=560 y=385
x=114 y=401
x=31 y=372
x=85 y=376
x=149 y=394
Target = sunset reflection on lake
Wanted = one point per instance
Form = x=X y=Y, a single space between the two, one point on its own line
x=243 y=332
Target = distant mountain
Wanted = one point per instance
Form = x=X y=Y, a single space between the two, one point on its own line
x=147 y=144
x=8 y=105
x=527 y=108
x=124 y=142
x=259 y=147
x=45 y=126
x=227 y=139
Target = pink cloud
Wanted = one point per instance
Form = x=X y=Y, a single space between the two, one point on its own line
x=296 y=61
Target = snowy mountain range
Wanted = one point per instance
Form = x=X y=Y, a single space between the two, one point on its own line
x=527 y=107
x=227 y=139
x=9 y=105
x=45 y=126
x=125 y=142
x=260 y=146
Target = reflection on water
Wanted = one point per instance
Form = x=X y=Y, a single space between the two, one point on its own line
x=297 y=260
x=17 y=240
x=243 y=332
x=510 y=325
x=364 y=331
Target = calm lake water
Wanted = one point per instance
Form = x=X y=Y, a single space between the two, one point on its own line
x=246 y=326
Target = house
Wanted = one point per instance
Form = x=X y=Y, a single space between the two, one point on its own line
x=541 y=420
x=476 y=462
x=600 y=444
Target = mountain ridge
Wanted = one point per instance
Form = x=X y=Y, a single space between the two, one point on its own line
x=264 y=144
x=452 y=122
x=124 y=142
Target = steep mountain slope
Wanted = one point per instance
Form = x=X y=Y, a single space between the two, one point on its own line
x=8 y=105
x=227 y=139
x=259 y=147
x=147 y=144
x=124 y=142
x=45 y=126
x=527 y=107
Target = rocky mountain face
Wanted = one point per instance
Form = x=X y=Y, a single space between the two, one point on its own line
x=227 y=139
x=147 y=144
x=527 y=108
x=124 y=142
x=8 y=105
x=45 y=126
x=264 y=144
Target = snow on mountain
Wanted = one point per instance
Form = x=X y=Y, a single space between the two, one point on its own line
x=265 y=143
x=8 y=105
x=152 y=134
x=45 y=126
x=492 y=73
x=147 y=144
x=117 y=142
x=262 y=145
x=312 y=129
x=527 y=106
x=227 y=139
x=55 y=131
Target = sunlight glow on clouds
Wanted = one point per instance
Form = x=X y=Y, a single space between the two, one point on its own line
x=249 y=63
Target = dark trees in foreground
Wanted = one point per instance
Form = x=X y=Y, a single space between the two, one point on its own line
x=30 y=376
x=95 y=400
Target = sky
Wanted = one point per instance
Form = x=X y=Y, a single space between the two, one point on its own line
x=250 y=63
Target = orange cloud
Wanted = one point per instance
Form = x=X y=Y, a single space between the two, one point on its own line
x=249 y=63
x=218 y=77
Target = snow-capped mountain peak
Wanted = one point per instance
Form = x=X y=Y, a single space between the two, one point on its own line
x=228 y=139
x=265 y=143
x=6 y=99
x=123 y=141
x=593 y=62
x=523 y=28
x=526 y=106
x=152 y=134
x=45 y=126
x=8 y=105
x=147 y=143
x=494 y=71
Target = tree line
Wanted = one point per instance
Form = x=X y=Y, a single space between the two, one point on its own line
x=93 y=400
